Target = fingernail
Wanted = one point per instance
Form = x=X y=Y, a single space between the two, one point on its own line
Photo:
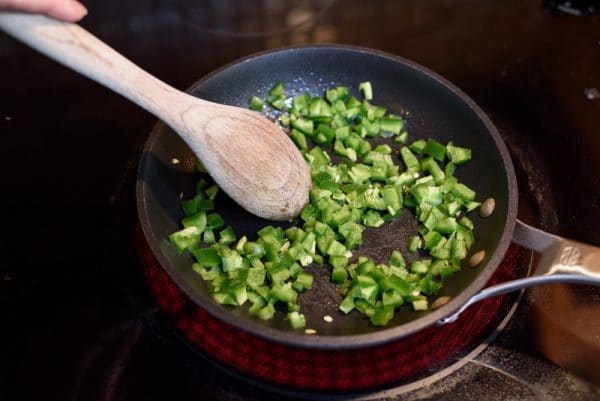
x=80 y=9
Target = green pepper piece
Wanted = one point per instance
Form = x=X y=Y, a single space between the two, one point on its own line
x=450 y=169
x=207 y=257
x=230 y=259
x=214 y=220
x=420 y=304
x=303 y=282
x=390 y=124
x=396 y=259
x=443 y=249
x=368 y=287
x=414 y=244
x=299 y=139
x=227 y=236
x=462 y=192
x=466 y=222
x=212 y=191
x=224 y=298
x=300 y=102
x=410 y=161
x=432 y=239
x=207 y=273
x=296 y=320
x=428 y=285
x=446 y=226
x=382 y=315
x=401 y=137
x=237 y=291
x=256 y=277
x=392 y=198
x=208 y=236
x=420 y=266
x=277 y=90
x=372 y=219
x=284 y=292
x=186 y=238
x=396 y=284
x=267 y=312
x=366 y=89
x=197 y=220
x=435 y=149
x=256 y=103
x=392 y=298
x=458 y=155
x=319 y=157
x=418 y=146
x=323 y=135
x=347 y=304
x=278 y=274
x=190 y=206
x=305 y=126
x=319 y=110
x=430 y=165
x=284 y=119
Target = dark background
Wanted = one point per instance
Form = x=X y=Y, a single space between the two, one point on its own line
x=69 y=147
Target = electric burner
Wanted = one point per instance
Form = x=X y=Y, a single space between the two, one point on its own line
x=388 y=365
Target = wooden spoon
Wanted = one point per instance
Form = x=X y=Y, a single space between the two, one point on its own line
x=250 y=158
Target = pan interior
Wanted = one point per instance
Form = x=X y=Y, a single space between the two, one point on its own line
x=431 y=107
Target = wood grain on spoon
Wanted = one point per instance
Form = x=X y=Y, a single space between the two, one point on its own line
x=250 y=158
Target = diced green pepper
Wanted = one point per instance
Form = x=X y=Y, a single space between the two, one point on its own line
x=366 y=89
x=305 y=126
x=207 y=257
x=435 y=149
x=410 y=161
x=197 y=220
x=458 y=155
x=382 y=315
x=185 y=239
x=299 y=139
x=414 y=244
x=256 y=103
x=297 y=320
x=418 y=146
x=393 y=125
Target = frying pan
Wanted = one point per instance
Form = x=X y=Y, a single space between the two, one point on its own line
x=432 y=107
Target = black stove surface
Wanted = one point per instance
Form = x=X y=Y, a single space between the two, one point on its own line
x=78 y=322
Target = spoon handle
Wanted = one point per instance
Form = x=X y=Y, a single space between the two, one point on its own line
x=76 y=48
x=261 y=170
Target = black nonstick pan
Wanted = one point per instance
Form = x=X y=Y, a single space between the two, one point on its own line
x=433 y=107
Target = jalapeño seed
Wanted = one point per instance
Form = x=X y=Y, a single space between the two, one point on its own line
x=441 y=301
x=487 y=207
x=476 y=258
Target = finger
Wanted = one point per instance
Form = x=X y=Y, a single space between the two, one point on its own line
x=66 y=10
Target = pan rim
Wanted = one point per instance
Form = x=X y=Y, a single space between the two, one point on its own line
x=346 y=341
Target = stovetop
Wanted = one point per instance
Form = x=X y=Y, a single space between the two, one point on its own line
x=78 y=322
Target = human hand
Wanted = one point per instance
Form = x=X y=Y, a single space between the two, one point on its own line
x=66 y=10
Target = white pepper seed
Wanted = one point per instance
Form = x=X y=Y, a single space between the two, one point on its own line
x=476 y=258
x=441 y=301
x=487 y=207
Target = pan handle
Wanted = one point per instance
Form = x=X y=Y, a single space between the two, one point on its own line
x=562 y=261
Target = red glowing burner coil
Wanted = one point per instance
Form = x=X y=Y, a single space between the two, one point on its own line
x=324 y=370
